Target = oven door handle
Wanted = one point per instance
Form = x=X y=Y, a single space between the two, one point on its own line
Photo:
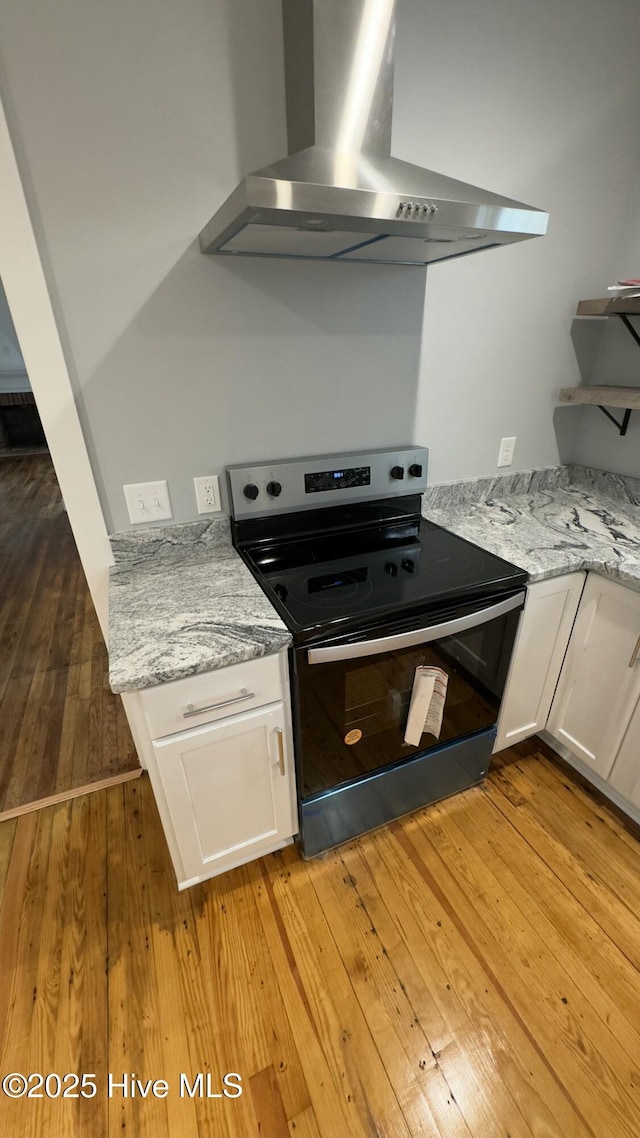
x=354 y=651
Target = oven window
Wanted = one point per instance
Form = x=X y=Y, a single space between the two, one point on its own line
x=353 y=713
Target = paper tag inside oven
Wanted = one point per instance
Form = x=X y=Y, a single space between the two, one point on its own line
x=427 y=704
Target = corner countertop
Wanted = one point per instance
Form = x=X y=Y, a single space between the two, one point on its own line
x=549 y=522
x=181 y=601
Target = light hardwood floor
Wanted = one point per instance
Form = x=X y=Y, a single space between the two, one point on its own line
x=61 y=727
x=471 y=971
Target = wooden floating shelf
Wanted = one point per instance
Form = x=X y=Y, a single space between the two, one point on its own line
x=603 y=396
x=608 y=306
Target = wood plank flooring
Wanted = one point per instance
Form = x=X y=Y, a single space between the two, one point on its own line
x=471 y=971
x=61 y=727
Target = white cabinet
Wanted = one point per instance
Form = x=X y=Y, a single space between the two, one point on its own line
x=599 y=686
x=543 y=636
x=228 y=792
x=576 y=672
x=225 y=788
x=625 y=774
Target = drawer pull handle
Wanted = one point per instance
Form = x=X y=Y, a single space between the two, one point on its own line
x=634 y=654
x=191 y=710
x=280 y=738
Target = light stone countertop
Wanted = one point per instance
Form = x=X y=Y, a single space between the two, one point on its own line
x=181 y=601
x=548 y=522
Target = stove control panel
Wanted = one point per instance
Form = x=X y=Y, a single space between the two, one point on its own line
x=293 y=484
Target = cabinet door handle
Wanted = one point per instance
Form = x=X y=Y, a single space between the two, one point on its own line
x=280 y=738
x=191 y=710
x=634 y=654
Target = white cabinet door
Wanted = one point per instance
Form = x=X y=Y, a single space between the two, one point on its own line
x=229 y=790
x=625 y=773
x=543 y=635
x=598 y=688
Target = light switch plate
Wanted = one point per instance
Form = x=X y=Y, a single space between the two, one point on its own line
x=148 y=502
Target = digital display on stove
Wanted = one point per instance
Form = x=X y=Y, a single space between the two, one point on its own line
x=337 y=479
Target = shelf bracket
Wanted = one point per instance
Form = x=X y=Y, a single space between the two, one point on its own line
x=622 y=427
x=629 y=326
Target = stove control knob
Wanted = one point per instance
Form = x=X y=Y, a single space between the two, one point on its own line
x=251 y=491
x=391 y=569
x=415 y=470
x=397 y=472
x=408 y=565
x=274 y=489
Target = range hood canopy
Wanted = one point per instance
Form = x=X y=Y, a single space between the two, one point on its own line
x=340 y=196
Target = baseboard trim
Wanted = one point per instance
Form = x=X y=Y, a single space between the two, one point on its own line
x=66 y=795
x=594 y=780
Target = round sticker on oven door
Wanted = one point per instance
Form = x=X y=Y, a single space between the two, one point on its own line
x=352 y=737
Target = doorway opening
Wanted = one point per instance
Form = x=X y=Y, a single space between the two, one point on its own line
x=62 y=730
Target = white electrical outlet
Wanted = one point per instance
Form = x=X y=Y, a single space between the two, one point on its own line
x=505 y=455
x=148 y=502
x=207 y=494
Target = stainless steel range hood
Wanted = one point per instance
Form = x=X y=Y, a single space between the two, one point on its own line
x=340 y=195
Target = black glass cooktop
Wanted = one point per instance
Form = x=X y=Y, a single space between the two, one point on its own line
x=320 y=581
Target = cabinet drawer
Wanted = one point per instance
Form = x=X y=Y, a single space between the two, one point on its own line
x=182 y=704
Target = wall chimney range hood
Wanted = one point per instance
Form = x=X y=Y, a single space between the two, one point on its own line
x=340 y=196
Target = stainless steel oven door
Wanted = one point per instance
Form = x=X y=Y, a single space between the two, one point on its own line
x=353 y=695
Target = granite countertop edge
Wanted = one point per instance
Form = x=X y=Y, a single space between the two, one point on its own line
x=124 y=682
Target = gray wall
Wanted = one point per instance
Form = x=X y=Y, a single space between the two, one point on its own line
x=608 y=355
x=13 y=376
x=133 y=120
x=540 y=101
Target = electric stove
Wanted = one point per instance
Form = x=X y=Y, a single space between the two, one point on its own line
x=371 y=591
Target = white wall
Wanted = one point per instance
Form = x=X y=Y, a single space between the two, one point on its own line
x=133 y=120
